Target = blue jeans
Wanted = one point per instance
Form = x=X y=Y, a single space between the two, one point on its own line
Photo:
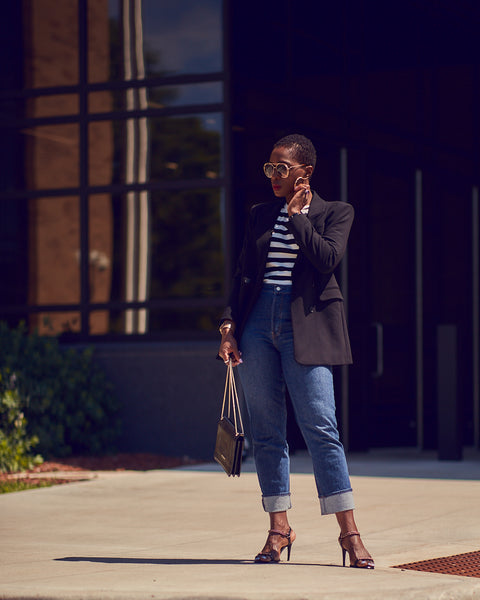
x=269 y=364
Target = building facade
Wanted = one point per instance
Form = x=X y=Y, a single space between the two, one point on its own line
x=132 y=138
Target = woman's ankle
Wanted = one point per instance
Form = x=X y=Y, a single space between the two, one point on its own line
x=279 y=522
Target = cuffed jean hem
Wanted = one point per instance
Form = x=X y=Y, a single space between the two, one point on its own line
x=337 y=503
x=276 y=503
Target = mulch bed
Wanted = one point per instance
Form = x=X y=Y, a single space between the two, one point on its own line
x=76 y=465
x=115 y=462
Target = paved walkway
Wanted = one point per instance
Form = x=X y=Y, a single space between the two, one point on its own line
x=192 y=533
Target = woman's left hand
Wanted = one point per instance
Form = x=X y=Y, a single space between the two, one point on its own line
x=301 y=196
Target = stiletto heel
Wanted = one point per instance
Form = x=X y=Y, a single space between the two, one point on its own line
x=273 y=555
x=289 y=548
x=357 y=562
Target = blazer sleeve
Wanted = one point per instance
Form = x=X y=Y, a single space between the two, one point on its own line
x=231 y=311
x=323 y=240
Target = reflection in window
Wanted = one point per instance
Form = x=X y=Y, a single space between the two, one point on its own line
x=52 y=106
x=187 y=228
x=160 y=97
x=52 y=152
x=54 y=259
x=186 y=147
x=50 y=30
x=182 y=37
x=180 y=95
x=204 y=319
x=100 y=322
x=177 y=37
x=189 y=320
x=165 y=148
x=100 y=256
x=171 y=322
x=182 y=256
x=144 y=245
x=55 y=323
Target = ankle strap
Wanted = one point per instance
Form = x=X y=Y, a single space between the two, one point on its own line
x=348 y=534
x=276 y=532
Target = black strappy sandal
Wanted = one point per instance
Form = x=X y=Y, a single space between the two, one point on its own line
x=355 y=561
x=274 y=555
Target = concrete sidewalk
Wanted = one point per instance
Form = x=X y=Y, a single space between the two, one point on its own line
x=192 y=533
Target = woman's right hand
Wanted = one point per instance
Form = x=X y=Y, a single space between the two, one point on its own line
x=229 y=349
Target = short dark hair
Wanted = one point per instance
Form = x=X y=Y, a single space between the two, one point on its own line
x=302 y=148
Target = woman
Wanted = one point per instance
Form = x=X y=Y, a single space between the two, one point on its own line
x=286 y=312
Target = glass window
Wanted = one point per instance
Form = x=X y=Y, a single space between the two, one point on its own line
x=104 y=102
x=152 y=38
x=158 y=97
x=156 y=246
x=102 y=157
x=161 y=248
x=178 y=320
x=165 y=246
x=180 y=95
x=100 y=255
x=102 y=322
x=103 y=39
x=171 y=322
x=52 y=106
x=186 y=228
x=54 y=257
x=170 y=240
x=182 y=37
x=53 y=157
x=186 y=147
x=55 y=323
x=157 y=149
x=105 y=43
x=51 y=43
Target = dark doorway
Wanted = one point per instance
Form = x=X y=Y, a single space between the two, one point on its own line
x=382 y=302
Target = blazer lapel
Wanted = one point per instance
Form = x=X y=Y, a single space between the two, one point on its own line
x=317 y=207
x=268 y=223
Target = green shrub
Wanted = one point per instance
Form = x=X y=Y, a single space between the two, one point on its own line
x=15 y=444
x=68 y=402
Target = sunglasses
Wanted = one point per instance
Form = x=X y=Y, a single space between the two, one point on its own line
x=282 y=169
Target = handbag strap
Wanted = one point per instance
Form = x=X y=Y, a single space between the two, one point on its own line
x=227 y=384
x=237 y=413
x=231 y=405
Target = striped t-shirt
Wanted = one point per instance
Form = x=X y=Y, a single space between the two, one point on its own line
x=282 y=253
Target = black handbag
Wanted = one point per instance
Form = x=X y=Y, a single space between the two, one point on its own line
x=230 y=434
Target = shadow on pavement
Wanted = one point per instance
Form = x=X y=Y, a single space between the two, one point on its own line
x=176 y=561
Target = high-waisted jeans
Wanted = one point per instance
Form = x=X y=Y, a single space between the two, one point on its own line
x=269 y=364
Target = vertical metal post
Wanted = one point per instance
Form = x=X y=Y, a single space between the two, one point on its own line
x=226 y=206
x=419 y=304
x=475 y=319
x=344 y=287
x=83 y=167
x=449 y=421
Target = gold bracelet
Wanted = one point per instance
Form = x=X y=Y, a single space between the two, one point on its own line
x=225 y=326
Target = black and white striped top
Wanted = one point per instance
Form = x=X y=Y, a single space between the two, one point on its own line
x=282 y=253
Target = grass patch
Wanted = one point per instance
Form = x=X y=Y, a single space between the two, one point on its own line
x=18 y=485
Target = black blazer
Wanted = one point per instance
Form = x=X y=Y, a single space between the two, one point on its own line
x=318 y=317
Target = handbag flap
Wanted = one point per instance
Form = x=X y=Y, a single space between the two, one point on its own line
x=228 y=447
